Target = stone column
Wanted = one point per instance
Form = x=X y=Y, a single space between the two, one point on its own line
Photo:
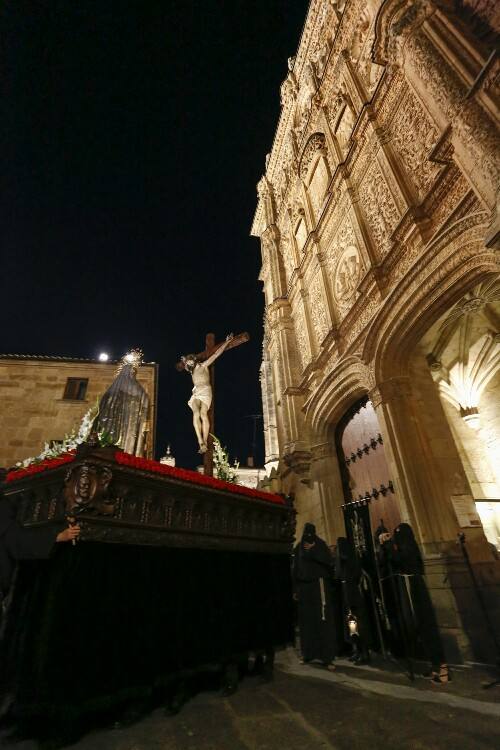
x=326 y=484
x=269 y=410
x=294 y=447
x=272 y=263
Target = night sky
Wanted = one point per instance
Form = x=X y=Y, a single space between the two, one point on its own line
x=133 y=136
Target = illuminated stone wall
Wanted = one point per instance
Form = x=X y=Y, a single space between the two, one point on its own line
x=377 y=214
x=33 y=410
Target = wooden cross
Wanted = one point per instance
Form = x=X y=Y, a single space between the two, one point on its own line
x=210 y=348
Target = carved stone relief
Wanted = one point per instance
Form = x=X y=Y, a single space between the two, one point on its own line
x=443 y=205
x=301 y=234
x=342 y=244
x=319 y=316
x=379 y=207
x=414 y=136
x=347 y=276
x=287 y=252
x=402 y=154
x=470 y=122
x=307 y=90
x=369 y=71
x=318 y=187
x=345 y=126
x=320 y=57
x=315 y=144
x=301 y=335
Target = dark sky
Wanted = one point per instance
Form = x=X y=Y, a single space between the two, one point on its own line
x=133 y=135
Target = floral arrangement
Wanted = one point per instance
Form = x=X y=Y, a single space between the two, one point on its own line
x=145 y=464
x=70 y=442
x=43 y=465
x=194 y=477
x=223 y=468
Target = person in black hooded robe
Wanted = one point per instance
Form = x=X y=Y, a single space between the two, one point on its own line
x=312 y=573
x=19 y=543
x=416 y=610
x=348 y=571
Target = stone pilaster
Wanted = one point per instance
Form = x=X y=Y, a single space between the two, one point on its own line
x=327 y=484
x=294 y=443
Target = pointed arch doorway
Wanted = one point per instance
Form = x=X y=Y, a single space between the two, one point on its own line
x=370 y=501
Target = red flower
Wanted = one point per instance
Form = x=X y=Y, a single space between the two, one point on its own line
x=126 y=459
x=144 y=464
x=48 y=463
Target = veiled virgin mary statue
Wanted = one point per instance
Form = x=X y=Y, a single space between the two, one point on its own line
x=124 y=407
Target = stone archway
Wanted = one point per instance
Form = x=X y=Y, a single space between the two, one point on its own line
x=462 y=353
x=408 y=349
x=452 y=264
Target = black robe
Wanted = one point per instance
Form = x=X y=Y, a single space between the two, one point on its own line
x=102 y=625
x=18 y=543
x=123 y=411
x=312 y=574
x=415 y=610
x=348 y=571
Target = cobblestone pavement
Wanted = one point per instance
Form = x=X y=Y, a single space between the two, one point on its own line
x=372 y=708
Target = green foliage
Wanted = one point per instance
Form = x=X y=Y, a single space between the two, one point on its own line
x=105 y=439
x=223 y=469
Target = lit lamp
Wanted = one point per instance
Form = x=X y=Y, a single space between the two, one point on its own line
x=352 y=624
x=103 y=357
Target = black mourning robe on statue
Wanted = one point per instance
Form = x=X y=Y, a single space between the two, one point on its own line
x=312 y=574
x=123 y=412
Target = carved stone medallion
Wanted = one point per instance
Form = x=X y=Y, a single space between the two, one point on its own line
x=347 y=275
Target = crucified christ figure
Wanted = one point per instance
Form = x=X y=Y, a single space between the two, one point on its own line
x=201 y=397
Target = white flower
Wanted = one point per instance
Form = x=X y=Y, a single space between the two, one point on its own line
x=70 y=442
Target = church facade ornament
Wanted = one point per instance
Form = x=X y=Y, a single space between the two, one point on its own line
x=384 y=170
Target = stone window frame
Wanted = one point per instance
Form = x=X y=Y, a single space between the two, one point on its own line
x=75 y=389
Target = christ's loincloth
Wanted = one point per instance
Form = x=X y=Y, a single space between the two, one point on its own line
x=201 y=393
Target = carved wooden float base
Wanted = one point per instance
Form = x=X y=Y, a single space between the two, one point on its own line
x=123 y=500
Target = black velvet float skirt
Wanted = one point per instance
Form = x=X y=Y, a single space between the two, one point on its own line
x=101 y=624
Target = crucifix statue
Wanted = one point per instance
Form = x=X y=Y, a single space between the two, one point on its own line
x=199 y=366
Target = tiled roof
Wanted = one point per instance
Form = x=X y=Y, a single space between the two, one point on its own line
x=53 y=358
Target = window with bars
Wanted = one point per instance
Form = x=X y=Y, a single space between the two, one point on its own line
x=76 y=389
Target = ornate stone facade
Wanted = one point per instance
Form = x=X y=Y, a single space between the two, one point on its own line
x=384 y=184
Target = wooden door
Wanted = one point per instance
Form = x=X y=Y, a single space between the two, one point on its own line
x=365 y=472
x=369 y=502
